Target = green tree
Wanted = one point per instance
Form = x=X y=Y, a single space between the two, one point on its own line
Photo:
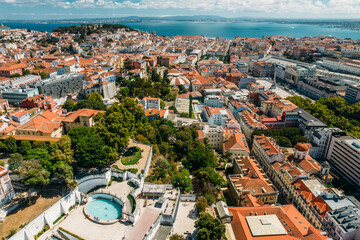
x=182 y=180
x=43 y=75
x=283 y=141
x=165 y=148
x=10 y=144
x=26 y=72
x=115 y=126
x=132 y=106
x=3 y=147
x=93 y=101
x=214 y=226
x=78 y=133
x=200 y=157
x=25 y=146
x=155 y=77
x=124 y=91
x=201 y=204
x=16 y=75
x=63 y=172
x=94 y=97
x=33 y=174
x=15 y=160
x=177 y=237
x=162 y=104
x=39 y=144
x=166 y=132
x=52 y=147
x=65 y=152
x=128 y=65
x=69 y=105
x=184 y=141
x=92 y=152
x=203 y=234
x=185 y=115
x=173 y=108
x=40 y=154
x=160 y=169
x=182 y=89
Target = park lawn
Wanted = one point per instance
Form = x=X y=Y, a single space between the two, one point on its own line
x=131 y=156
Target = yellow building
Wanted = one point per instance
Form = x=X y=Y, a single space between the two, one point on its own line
x=80 y=118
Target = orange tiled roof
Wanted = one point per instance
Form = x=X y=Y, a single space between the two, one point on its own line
x=236 y=141
x=301 y=229
x=81 y=112
x=40 y=124
x=12 y=66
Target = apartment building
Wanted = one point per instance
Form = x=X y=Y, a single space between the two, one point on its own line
x=352 y=94
x=235 y=107
x=321 y=86
x=4 y=105
x=262 y=69
x=104 y=88
x=299 y=178
x=275 y=108
x=306 y=198
x=17 y=95
x=214 y=101
x=217 y=116
x=39 y=101
x=149 y=102
x=343 y=223
x=249 y=123
x=61 y=86
x=250 y=179
x=344 y=156
x=304 y=120
x=293 y=74
x=215 y=135
x=351 y=66
x=266 y=151
x=6 y=189
x=320 y=141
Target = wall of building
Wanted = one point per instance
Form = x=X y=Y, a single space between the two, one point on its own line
x=48 y=217
x=61 y=87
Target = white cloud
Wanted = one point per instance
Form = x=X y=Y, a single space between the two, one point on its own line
x=287 y=7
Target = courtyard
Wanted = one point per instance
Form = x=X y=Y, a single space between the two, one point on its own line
x=21 y=216
x=78 y=224
x=140 y=165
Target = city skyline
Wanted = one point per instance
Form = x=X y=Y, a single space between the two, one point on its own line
x=70 y=9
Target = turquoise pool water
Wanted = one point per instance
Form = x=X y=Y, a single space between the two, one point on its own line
x=197 y=108
x=104 y=209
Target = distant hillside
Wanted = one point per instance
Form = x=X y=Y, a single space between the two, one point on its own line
x=87 y=29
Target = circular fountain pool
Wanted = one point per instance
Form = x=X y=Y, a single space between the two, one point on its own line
x=103 y=208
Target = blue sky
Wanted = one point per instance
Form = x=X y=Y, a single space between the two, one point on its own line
x=65 y=9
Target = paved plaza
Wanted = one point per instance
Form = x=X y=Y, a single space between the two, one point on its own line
x=77 y=223
x=185 y=219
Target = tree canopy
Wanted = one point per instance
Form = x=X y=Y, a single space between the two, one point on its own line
x=287 y=137
x=335 y=112
x=210 y=228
